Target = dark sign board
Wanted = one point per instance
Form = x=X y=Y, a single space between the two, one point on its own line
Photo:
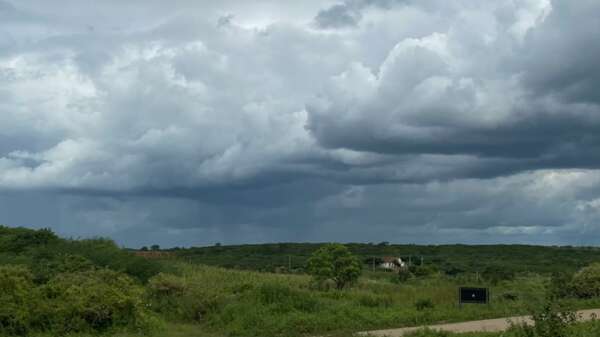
x=473 y=295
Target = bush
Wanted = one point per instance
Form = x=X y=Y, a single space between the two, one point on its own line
x=509 y=296
x=166 y=285
x=104 y=253
x=176 y=298
x=282 y=298
x=586 y=282
x=423 y=304
x=494 y=274
x=561 y=286
x=16 y=300
x=18 y=240
x=93 y=301
x=422 y=271
x=403 y=275
x=45 y=267
x=47 y=255
x=165 y=292
x=552 y=319
x=373 y=301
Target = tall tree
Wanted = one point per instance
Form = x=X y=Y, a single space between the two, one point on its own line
x=334 y=262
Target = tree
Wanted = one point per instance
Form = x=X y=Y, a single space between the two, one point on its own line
x=334 y=262
x=586 y=282
x=144 y=249
x=155 y=247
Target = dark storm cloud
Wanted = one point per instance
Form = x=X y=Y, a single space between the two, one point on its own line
x=349 y=13
x=193 y=122
x=537 y=108
x=562 y=57
x=337 y=16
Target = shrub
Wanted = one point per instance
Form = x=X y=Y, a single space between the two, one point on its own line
x=422 y=271
x=373 y=301
x=18 y=240
x=45 y=267
x=163 y=285
x=403 y=275
x=282 y=298
x=16 y=300
x=509 y=296
x=176 y=298
x=93 y=301
x=586 y=282
x=561 y=286
x=552 y=319
x=164 y=292
x=104 y=253
x=46 y=254
x=423 y=304
x=494 y=274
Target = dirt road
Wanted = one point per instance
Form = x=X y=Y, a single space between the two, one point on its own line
x=498 y=324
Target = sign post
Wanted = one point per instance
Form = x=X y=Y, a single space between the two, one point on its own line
x=468 y=295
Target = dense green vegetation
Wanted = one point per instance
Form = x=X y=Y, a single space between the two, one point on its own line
x=56 y=287
x=47 y=255
x=334 y=263
x=69 y=286
x=507 y=260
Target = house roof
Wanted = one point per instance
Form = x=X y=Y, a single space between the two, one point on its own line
x=390 y=259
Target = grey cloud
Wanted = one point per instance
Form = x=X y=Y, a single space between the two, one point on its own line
x=337 y=16
x=430 y=96
x=562 y=56
x=349 y=13
x=440 y=117
x=542 y=207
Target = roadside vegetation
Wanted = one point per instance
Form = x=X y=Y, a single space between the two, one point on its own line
x=57 y=287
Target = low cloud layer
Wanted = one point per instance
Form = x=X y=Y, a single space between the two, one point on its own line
x=429 y=121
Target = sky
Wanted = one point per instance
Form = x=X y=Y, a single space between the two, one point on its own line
x=186 y=123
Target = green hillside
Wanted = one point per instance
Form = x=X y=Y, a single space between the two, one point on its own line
x=450 y=259
x=52 y=286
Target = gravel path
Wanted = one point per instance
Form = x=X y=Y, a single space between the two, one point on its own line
x=498 y=324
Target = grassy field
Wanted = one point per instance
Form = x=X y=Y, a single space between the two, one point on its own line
x=56 y=287
x=242 y=303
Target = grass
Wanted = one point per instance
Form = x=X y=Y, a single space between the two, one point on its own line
x=42 y=275
x=170 y=330
x=244 y=303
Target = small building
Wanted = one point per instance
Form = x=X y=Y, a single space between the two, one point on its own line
x=392 y=263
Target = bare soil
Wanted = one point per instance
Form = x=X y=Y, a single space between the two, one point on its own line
x=489 y=325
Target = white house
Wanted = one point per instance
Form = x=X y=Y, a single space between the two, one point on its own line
x=392 y=263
